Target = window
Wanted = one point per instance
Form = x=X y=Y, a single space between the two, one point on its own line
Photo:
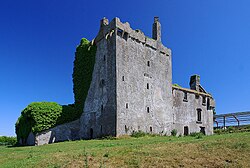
x=208 y=104
x=151 y=129
x=126 y=129
x=147 y=85
x=101 y=129
x=125 y=35
x=185 y=97
x=104 y=58
x=203 y=100
x=199 y=115
x=126 y=105
x=148 y=109
x=102 y=108
x=102 y=83
x=148 y=63
x=119 y=32
x=197 y=96
x=122 y=78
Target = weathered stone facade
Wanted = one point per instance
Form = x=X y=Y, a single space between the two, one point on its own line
x=132 y=90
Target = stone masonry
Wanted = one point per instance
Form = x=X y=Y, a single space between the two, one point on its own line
x=132 y=90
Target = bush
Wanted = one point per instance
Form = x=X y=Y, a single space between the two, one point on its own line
x=37 y=117
x=197 y=135
x=4 y=140
x=174 y=132
x=40 y=116
x=138 y=134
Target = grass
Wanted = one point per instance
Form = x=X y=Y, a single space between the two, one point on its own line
x=226 y=150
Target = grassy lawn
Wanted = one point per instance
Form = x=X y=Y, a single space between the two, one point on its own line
x=226 y=150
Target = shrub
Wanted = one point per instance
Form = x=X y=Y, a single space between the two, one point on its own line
x=230 y=129
x=177 y=85
x=5 y=140
x=197 y=135
x=37 y=117
x=40 y=116
x=174 y=132
x=138 y=134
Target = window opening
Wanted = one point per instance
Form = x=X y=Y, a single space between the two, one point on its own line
x=151 y=129
x=185 y=97
x=198 y=114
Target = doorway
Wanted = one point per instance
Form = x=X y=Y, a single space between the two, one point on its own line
x=91 y=133
x=203 y=130
x=185 y=130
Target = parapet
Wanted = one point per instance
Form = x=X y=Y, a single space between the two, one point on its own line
x=116 y=26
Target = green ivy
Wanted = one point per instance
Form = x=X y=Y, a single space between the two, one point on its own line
x=36 y=117
x=175 y=84
x=82 y=73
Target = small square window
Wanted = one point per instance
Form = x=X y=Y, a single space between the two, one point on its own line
x=185 y=97
x=102 y=108
x=203 y=100
x=126 y=105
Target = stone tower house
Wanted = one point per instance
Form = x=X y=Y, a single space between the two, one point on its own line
x=132 y=87
x=131 y=90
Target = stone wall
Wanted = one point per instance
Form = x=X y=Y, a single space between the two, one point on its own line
x=186 y=111
x=64 y=132
x=144 y=80
x=99 y=114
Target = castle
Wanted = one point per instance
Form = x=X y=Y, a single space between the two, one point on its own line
x=132 y=90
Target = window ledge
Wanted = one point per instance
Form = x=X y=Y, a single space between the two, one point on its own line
x=204 y=104
x=198 y=122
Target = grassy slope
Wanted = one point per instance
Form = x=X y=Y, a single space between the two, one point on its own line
x=228 y=150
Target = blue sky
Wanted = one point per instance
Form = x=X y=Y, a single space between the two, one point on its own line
x=38 y=41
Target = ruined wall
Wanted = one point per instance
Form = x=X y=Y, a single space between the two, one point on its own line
x=144 y=80
x=63 y=132
x=186 y=111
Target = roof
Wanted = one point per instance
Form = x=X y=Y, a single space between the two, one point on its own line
x=191 y=91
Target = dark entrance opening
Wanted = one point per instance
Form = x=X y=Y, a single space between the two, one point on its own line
x=203 y=130
x=91 y=133
x=186 y=130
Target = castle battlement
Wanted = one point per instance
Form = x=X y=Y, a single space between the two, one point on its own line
x=125 y=31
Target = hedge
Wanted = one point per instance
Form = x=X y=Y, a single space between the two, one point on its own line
x=5 y=140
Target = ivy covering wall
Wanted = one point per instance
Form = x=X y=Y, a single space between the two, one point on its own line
x=36 y=117
x=40 y=116
x=82 y=74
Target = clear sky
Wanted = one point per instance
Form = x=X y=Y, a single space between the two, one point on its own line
x=38 y=41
